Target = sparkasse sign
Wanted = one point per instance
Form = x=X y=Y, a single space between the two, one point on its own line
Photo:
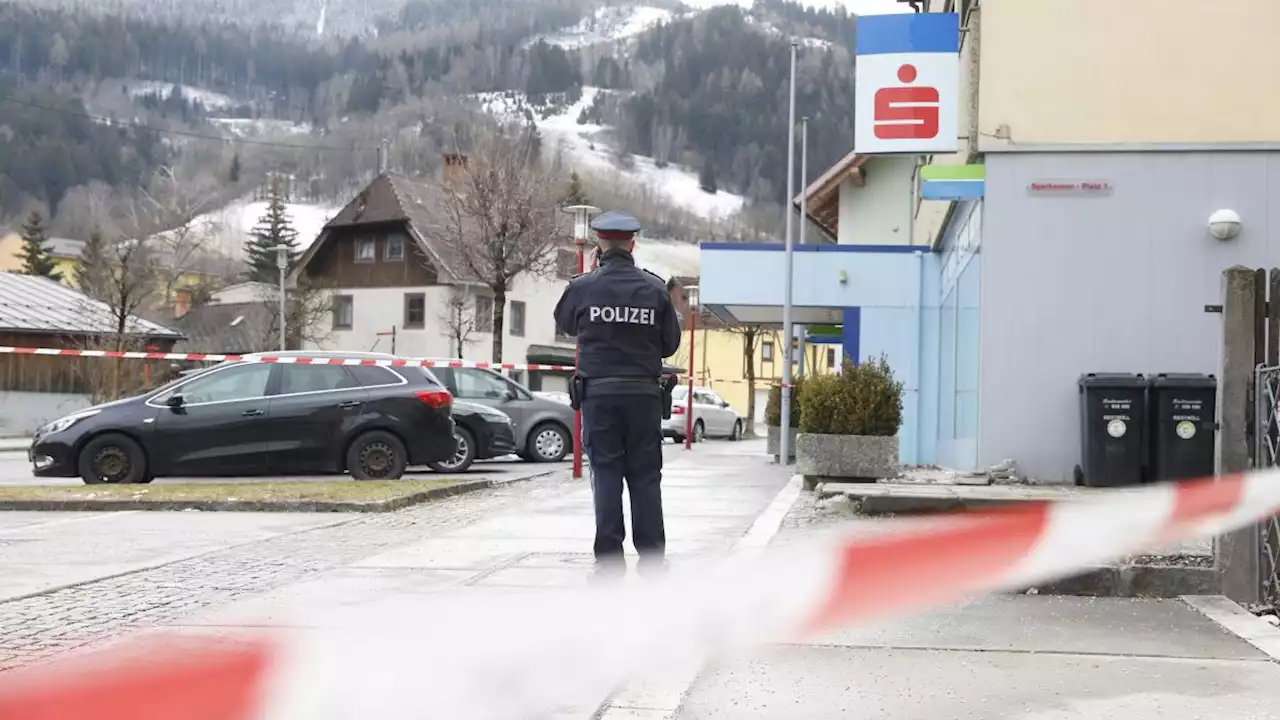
x=907 y=91
x=1069 y=187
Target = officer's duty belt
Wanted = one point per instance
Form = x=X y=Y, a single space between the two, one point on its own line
x=622 y=386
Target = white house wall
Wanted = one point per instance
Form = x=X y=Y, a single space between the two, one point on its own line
x=376 y=310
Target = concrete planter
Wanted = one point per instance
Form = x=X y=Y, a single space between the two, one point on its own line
x=773 y=441
x=853 y=457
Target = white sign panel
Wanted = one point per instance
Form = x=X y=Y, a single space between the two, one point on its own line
x=908 y=84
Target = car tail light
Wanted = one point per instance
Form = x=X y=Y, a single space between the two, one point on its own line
x=677 y=409
x=435 y=399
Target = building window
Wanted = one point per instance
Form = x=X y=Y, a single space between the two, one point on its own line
x=831 y=357
x=566 y=263
x=395 y=249
x=766 y=351
x=415 y=310
x=343 y=312
x=366 y=250
x=517 y=318
x=484 y=314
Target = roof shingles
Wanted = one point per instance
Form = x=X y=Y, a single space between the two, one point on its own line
x=33 y=304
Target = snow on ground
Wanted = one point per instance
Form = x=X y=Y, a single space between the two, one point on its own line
x=586 y=147
x=208 y=98
x=773 y=31
x=608 y=24
x=249 y=128
x=228 y=228
x=667 y=258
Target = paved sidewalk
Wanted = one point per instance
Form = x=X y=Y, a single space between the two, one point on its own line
x=1031 y=657
x=712 y=497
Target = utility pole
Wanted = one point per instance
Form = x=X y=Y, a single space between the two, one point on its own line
x=282 y=263
x=804 y=220
x=784 y=445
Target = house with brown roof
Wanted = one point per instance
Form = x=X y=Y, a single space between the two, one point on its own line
x=388 y=269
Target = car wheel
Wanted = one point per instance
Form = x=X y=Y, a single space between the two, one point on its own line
x=463 y=456
x=736 y=435
x=377 y=455
x=699 y=432
x=112 y=459
x=549 y=443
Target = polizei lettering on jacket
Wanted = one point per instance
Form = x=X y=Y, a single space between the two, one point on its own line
x=622 y=314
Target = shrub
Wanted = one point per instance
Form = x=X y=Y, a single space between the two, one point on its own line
x=862 y=400
x=773 y=406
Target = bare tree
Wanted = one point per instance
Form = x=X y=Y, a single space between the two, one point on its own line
x=171 y=208
x=308 y=306
x=499 y=218
x=751 y=335
x=458 y=317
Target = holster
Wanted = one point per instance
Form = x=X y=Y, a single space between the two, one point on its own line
x=668 y=383
x=577 y=384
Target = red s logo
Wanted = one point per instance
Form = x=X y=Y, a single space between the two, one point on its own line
x=908 y=122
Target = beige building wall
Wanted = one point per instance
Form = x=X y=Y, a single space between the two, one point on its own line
x=930 y=214
x=879 y=213
x=1128 y=72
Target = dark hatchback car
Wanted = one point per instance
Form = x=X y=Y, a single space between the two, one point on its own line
x=254 y=418
x=481 y=433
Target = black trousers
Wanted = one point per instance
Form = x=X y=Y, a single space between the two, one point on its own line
x=622 y=435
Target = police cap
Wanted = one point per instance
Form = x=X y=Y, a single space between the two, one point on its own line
x=615 y=225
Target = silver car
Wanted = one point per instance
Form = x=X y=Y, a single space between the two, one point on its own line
x=543 y=427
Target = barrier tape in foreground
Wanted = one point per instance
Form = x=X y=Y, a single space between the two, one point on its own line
x=464 y=654
x=290 y=359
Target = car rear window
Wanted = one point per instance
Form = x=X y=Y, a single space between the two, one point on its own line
x=373 y=375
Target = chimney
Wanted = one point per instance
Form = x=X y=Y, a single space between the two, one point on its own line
x=181 y=303
x=454 y=166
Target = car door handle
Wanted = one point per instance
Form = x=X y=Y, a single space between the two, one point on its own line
x=251 y=413
x=349 y=404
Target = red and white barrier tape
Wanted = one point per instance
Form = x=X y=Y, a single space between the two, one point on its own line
x=300 y=360
x=286 y=359
x=462 y=653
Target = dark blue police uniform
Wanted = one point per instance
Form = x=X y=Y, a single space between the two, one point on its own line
x=625 y=324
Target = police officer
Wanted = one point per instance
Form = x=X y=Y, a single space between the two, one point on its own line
x=625 y=324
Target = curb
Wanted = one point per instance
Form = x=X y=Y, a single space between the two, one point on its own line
x=1136 y=581
x=1239 y=622
x=300 y=506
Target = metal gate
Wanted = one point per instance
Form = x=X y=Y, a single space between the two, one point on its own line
x=1266 y=437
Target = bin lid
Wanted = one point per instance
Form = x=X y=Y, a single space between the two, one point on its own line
x=1199 y=380
x=1112 y=380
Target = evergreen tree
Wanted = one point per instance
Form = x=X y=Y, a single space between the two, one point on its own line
x=707 y=178
x=35 y=257
x=235 y=169
x=92 y=274
x=575 y=194
x=274 y=228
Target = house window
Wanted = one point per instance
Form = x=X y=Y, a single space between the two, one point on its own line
x=415 y=310
x=566 y=263
x=517 y=318
x=343 y=312
x=831 y=357
x=766 y=351
x=484 y=314
x=395 y=249
x=366 y=250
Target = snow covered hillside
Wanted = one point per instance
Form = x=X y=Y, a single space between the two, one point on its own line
x=585 y=150
x=209 y=99
x=608 y=24
x=227 y=228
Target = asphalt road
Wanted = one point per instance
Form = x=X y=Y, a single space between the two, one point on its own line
x=15 y=470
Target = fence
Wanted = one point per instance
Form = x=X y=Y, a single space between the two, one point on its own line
x=1267 y=455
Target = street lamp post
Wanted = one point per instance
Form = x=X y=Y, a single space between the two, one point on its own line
x=282 y=262
x=691 y=295
x=801 y=330
x=784 y=445
x=581 y=219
